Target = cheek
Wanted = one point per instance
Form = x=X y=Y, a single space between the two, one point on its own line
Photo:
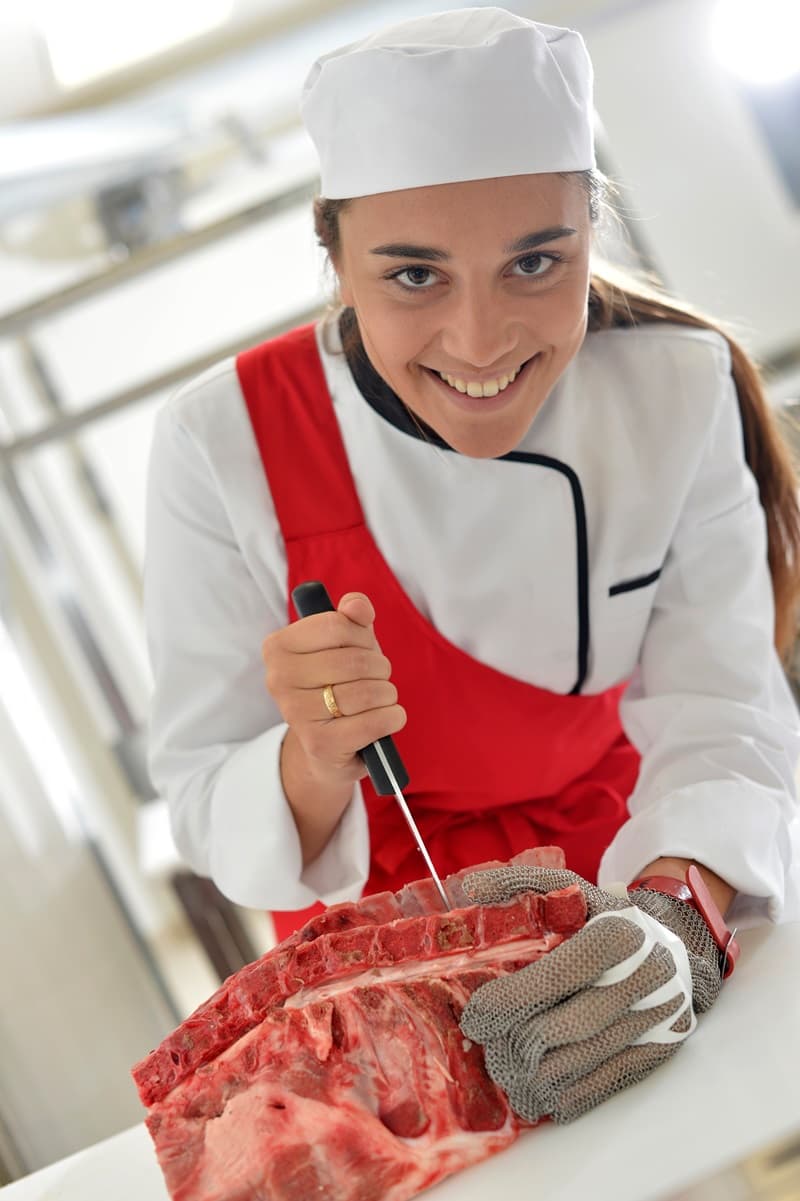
x=388 y=347
x=394 y=339
x=565 y=316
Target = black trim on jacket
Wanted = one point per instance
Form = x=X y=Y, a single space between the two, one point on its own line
x=387 y=404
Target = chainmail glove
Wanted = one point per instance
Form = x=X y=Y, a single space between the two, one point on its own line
x=603 y=1009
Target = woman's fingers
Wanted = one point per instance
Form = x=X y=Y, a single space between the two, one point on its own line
x=499 y=884
x=320 y=632
x=540 y=1078
x=346 y=664
x=337 y=741
x=544 y=1061
x=561 y=1067
x=628 y=1067
x=503 y=883
x=336 y=649
x=357 y=608
x=497 y=1006
x=359 y=696
x=592 y=1010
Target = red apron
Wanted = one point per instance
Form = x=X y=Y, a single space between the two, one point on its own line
x=496 y=765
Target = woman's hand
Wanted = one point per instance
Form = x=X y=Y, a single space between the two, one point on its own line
x=603 y=1009
x=320 y=761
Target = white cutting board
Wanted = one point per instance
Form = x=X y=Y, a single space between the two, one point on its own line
x=731 y=1088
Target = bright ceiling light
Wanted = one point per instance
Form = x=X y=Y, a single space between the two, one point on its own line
x=760 y=42
x=87 y=39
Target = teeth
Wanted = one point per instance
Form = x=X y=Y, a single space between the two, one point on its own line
x=473 y=388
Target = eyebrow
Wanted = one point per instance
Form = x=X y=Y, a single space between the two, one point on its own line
x=407 y=250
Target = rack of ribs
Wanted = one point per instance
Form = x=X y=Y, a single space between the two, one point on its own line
x=333 y=1067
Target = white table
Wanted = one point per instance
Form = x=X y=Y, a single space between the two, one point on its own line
x=732 y=1087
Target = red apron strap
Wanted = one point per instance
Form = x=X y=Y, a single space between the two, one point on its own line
x=284 y=386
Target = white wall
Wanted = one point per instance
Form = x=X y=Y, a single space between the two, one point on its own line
x=711 y=204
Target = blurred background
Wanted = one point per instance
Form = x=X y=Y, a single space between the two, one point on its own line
x=155 y=199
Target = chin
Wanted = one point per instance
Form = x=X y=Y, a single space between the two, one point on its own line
x=486 y=452
x=483 y=444
x=486 y=439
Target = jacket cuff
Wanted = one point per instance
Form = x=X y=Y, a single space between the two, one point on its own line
x=255 y=854
x=734 y=829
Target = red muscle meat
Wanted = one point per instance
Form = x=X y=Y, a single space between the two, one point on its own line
x=334 y=1067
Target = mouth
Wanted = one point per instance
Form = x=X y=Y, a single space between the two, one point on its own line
x=477 y=397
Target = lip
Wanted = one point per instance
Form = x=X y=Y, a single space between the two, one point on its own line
x=481 y=404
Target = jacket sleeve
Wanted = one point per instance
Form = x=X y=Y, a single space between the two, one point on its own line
x=709 y=707
x=215 y=732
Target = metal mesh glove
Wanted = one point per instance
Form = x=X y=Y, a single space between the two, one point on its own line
x=600 y=1011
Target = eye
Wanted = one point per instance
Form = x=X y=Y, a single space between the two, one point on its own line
x=534 y=265
x=420 y=278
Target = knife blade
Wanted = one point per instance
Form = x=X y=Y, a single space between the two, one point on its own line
x=381 y=759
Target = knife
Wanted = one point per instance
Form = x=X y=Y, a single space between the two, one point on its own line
x=381 y=759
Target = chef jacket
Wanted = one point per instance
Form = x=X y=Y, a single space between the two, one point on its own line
x=646 y=548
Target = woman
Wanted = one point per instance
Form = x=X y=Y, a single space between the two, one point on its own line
x=547 y=504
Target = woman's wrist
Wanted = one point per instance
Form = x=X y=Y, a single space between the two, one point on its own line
x=721 y=892
x=316 y=800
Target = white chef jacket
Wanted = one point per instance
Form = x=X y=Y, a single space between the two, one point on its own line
x=648 y=422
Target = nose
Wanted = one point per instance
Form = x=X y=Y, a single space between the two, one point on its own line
x=478 y=331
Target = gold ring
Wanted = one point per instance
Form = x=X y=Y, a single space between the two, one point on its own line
x=330 y=701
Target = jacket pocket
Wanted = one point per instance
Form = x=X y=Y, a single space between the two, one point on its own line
x=619 y=623
x=635 y=583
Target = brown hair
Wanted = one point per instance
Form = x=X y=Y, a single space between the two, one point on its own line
x=618 y=299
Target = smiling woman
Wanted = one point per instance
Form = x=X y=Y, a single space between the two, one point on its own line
x=563 y=535
x=479 y=296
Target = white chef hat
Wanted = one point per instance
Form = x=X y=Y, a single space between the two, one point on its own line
x=474 y=93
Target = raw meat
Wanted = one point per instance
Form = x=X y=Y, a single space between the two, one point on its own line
x=334 y=1066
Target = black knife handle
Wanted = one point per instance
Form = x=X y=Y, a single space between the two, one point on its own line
x=312 y=597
